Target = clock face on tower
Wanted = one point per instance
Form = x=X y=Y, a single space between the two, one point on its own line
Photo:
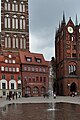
x=70 y=29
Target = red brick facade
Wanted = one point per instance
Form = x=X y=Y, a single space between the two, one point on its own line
x=14 y=25
x=17 y=72
x=35 y=74
x=67 y=50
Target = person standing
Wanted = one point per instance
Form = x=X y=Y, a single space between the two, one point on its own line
x=16 y=95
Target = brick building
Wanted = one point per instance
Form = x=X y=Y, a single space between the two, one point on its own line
x=14 y=25
x=35 y=74
x=67 y=52
x=14 y=53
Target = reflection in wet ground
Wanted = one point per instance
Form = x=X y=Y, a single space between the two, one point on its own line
x=40 y=111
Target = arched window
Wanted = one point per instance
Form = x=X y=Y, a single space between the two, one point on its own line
x=23 y=43
x=28 y=90
x=14 y=22
x=72 y=69
x=7 y=41
x=7 y=5
x=3 y=84
x=22 y=7
x=15 y=42
x=22 y=22
x=14 y=6
x=7 y=21
x=35 y=90
x=43 y=90
x=12 y=84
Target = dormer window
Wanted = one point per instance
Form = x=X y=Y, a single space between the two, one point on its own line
x=13 y=61
x=10 y=56
x=38 y=60
x=28 y=59
x=6 y=61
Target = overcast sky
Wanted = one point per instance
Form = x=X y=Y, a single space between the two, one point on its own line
x=44 y=17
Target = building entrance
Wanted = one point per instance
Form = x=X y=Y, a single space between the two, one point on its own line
x=73 y=87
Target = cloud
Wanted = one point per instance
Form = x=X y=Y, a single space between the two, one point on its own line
x=42 y=46
x=44 y=17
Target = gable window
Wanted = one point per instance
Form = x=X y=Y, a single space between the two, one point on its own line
x=2 y=68
x=17 y=69
x=14 y=69
x=6 y=68
x=10 y=69
x=13 y=61
x=10 y=56
x=28 y=59
x=6 y=61
x=38 y=60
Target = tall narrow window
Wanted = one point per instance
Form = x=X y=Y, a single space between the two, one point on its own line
x=21 y=43
x=72 y=69
x=17 y=46
x=13 y=42
x=22 y=22
x=3 y=76
x=22 y=7
x=7 y=21
x=6 y=42
x=15 y=22
x=24 y=43
x=12 y=85
x=3 y=85
x=5 y=5
x=9 y=42
x=9 y=6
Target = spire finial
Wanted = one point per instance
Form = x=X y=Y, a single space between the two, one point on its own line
x=63 y=17
x=59 y=25
x=76 y=22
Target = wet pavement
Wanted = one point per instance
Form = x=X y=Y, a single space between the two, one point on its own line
x=38 y=108
x=40 y=111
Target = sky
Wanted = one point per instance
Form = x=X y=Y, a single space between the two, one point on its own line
x=44 y=17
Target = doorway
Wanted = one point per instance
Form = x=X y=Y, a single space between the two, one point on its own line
x=73 y=87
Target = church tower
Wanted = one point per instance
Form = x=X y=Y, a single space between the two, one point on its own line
x=67 y=47
x=14 y=25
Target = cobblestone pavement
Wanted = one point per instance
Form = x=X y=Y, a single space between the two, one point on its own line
x=67 y=99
